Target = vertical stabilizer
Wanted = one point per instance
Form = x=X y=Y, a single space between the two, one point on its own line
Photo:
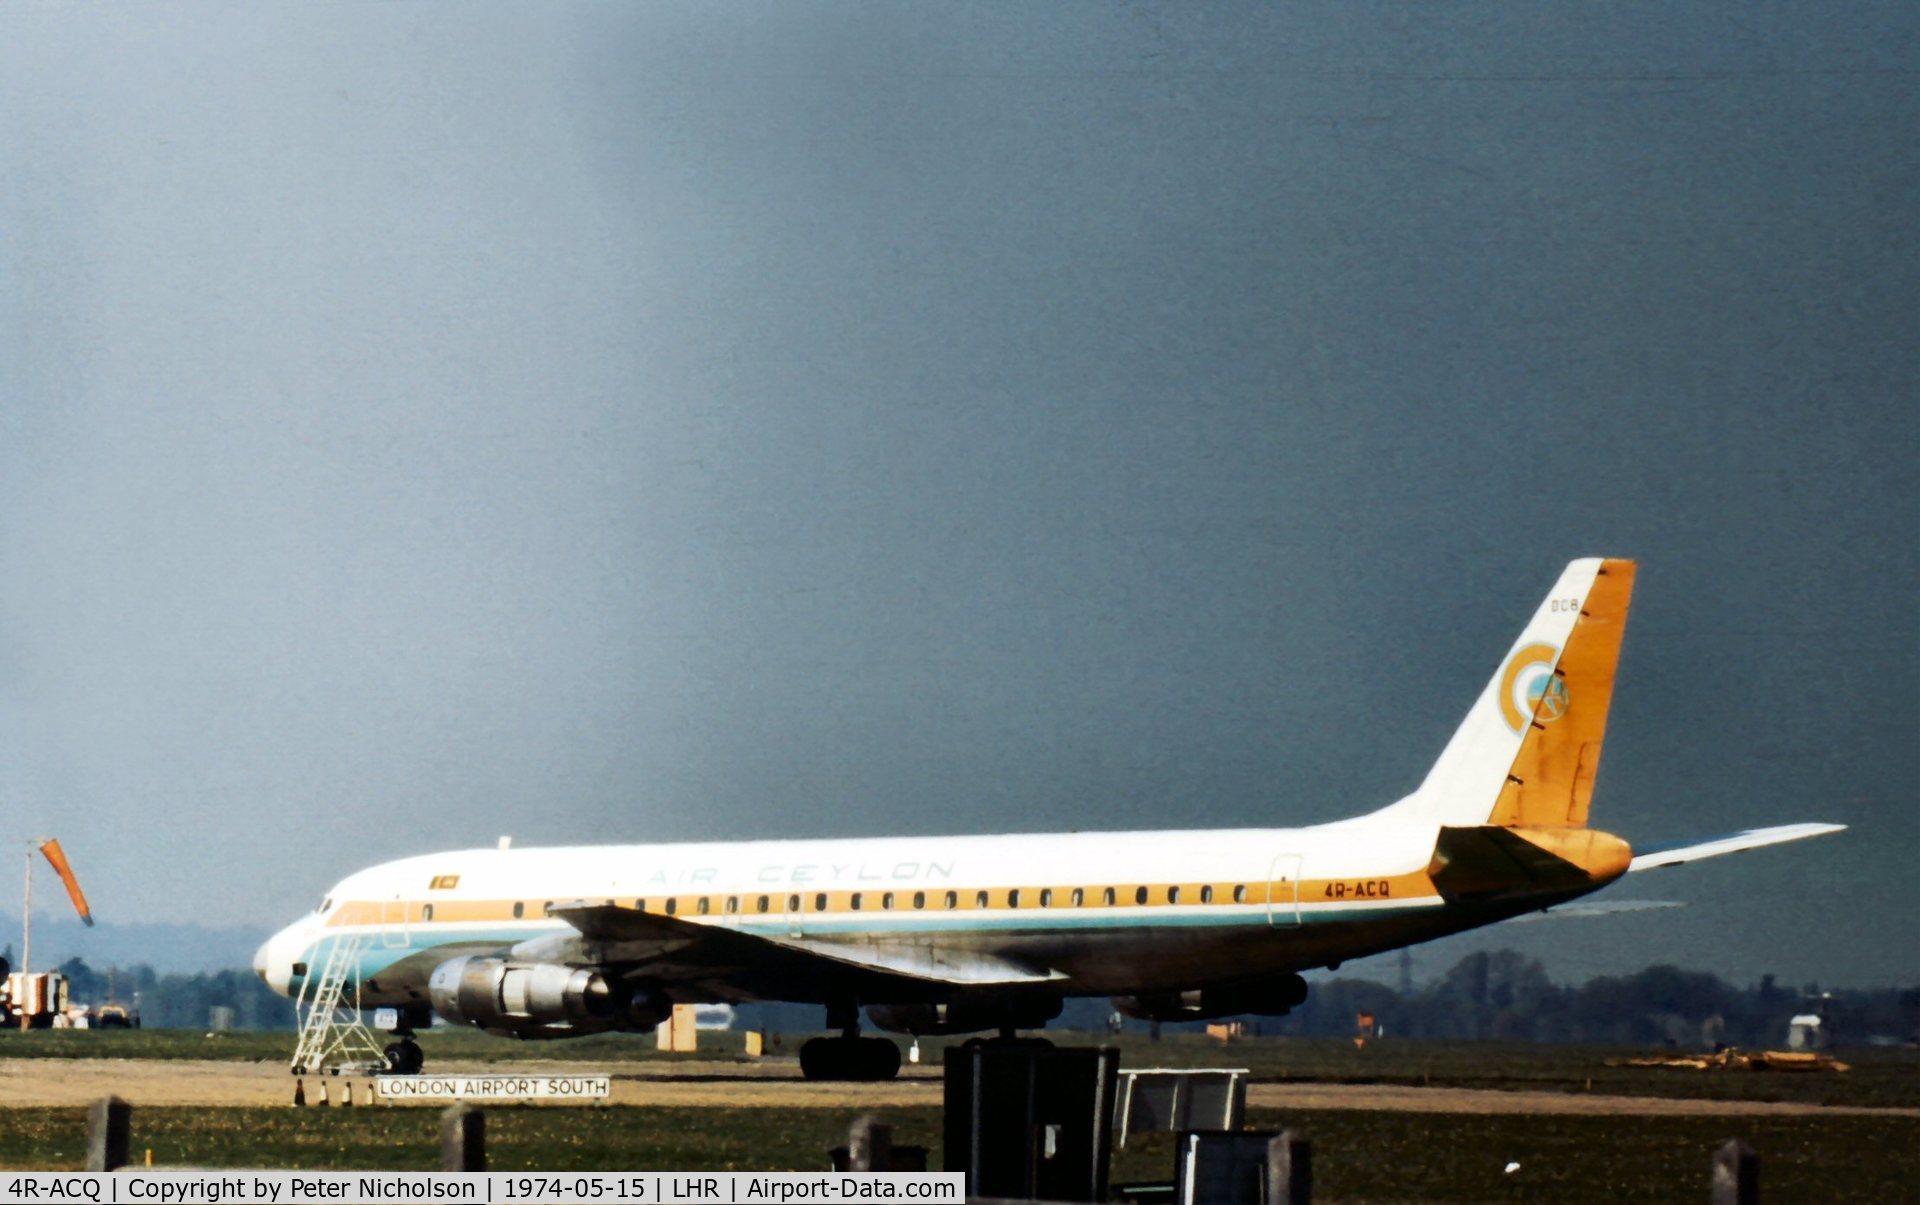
x=1527 y=751
x=1550 y=784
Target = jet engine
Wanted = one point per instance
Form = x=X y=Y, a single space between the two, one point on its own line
x=538 y=999
x=963 y=1016
x=1273 y=998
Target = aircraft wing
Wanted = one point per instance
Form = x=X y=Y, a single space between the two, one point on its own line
x=1674 y=853
x=668 y=947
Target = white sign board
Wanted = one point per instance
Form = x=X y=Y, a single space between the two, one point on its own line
x=493 y=1087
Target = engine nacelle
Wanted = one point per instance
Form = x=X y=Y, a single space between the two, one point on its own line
x=962 y=1016
x=537 y=999
x=1274 y=998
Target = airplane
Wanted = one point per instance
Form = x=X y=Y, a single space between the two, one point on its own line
x=964 y=934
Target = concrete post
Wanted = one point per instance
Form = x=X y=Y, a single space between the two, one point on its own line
x=463 y=1139
x=109 y=1126
x=1289 y=1169
x=869 y=1146
x=1736 y=1175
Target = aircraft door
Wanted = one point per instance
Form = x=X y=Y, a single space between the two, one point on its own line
x=1283 y=891
x=393 y=923
x=794 y=905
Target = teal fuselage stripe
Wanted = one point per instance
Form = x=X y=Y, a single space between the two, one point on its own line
x=382 y=951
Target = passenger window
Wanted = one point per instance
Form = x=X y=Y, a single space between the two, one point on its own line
x=919 y=899
x=519 y=909
x=703 y=906
x=1046 y=897
x=886 y=901
x=1013 y=898
x=1079 y=897
x=856 y=901
x=1206 y=894
x=793 y=903
x=980 y=901
x=820 y=902
x=1240 y=893
x=953 y=899
x=546 y=909
x=733 y=903
x=1140 y=895
x=639 y=905
x=426 y=912
x=1173 y=895
x=763 y=903
x=673 y=904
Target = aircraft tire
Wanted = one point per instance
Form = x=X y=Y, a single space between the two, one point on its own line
x=849 y=1059
x=879 y=1059
x=404 y=1057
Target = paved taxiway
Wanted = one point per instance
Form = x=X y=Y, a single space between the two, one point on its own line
x=36 y=1083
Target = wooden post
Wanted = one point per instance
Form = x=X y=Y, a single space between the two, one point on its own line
x=109 y=1124
x=1289 y=1169
x=869 y=1146
x=463 y=1139
x=1736 y=1175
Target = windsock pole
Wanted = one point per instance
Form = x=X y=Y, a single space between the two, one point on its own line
x=26 y=939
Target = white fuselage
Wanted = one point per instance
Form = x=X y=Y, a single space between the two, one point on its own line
x=1110 y=913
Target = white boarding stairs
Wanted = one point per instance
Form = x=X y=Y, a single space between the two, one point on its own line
x=331 y=1032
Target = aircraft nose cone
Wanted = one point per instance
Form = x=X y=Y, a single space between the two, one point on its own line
x=273 y=961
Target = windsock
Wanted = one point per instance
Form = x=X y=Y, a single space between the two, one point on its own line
x=58 y=858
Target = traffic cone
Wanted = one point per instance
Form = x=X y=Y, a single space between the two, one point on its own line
x=323 y=1093
x=299 y=1093
x=346 y=1093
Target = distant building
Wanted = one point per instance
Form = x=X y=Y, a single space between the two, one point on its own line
x=1807 y=1032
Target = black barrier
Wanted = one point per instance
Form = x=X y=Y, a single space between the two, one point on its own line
x=1031 y=1121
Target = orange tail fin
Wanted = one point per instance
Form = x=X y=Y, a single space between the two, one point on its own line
x=1550 y=784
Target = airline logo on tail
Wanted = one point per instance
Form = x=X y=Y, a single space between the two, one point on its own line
x=1528 y=689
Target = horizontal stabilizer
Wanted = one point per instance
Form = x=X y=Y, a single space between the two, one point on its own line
x=1674 y=853
x=1496 y=860
x=1597 y=908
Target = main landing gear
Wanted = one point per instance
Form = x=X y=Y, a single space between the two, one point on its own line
x=404 y=1057
x=1007 y=1039
x=849 y=1056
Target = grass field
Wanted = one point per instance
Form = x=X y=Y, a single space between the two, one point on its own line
x=1358 y=1156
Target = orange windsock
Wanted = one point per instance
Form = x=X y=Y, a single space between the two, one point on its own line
x=59 y=860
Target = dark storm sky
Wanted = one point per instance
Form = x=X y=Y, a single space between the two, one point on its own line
x=423 y=422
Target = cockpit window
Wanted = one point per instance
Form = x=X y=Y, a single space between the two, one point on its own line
x=326 y=905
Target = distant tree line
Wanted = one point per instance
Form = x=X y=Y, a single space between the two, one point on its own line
x=176 y=1001
x=1506 y=995
x=1500 y=994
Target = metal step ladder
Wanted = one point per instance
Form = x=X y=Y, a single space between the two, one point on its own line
x=332 y=1036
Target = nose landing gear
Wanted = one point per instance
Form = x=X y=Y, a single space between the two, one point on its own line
x=405 y=1056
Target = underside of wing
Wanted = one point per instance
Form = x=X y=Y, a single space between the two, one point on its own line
x=654 y=945
x=1675 y=853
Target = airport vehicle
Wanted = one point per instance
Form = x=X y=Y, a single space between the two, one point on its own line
x=973 y=933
